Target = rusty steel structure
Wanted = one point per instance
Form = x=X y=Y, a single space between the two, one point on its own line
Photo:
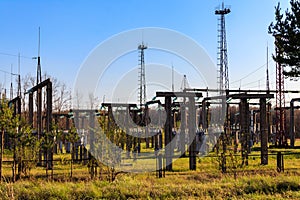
x=281 y=134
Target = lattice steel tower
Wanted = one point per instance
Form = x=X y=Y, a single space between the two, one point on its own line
x=281 y=135
x=142 y=75
x=222 y=48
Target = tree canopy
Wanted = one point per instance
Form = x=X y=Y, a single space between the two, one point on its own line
x=286 y=30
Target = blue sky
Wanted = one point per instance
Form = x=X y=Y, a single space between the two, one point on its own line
x=70 y=30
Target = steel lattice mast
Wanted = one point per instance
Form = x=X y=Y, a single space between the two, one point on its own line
x=39 y=70
x=281 y=138
x=222 y=54
x=142 y=75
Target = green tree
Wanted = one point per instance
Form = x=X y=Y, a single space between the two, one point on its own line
x=28 y=147
x=72 y=137
x=8 y=123
x=286 y=30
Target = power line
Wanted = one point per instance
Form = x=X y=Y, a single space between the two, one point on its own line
x=260 y=79
x=13 y=55
x=246 y=76
x=8 y=72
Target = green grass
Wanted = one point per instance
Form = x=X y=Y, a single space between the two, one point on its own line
x=187 y=185
x=254 y=181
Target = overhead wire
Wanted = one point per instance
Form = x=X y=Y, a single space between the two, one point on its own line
x=14 y=55
x=246 y=76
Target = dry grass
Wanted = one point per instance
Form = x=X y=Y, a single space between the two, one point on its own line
x=252 y=182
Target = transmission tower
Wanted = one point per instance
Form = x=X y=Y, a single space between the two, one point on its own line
x=281 y=137
x=142 y=76
x=222 y=47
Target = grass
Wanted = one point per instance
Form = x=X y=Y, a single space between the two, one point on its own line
x=254 y=181
x=183 y=185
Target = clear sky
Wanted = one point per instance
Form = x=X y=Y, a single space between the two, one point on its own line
x=70 y=30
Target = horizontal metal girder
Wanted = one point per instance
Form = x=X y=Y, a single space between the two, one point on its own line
x=38 y=86
x=251 y=96
x=178 y=94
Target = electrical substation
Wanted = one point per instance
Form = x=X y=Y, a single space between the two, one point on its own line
x=189 y=123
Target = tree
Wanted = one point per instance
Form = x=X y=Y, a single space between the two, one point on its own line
x=72 y=137
x=8 y=123
x=286 y=30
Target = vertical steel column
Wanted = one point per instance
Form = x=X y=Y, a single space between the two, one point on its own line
x=269 y=122
x=31 y=109
x=128 y=136
x=49 y=124
x=91 y=131
x=204 y=115
x=192 y=133
x=146 y=121
x=182 y=128
x=168 y=133
x=39 y=122
x=292 y=133
x=263 y=132
x=244 y=114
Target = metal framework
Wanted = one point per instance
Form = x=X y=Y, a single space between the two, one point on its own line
x=222 y=54
x=142 y=76
x=38 y=88
x=168 y=126
x=292 y=121
x=281 y=136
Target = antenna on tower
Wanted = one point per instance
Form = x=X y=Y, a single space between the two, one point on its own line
x=222 y=54
x=267 y=71
x=142 y=75
x=19 y=76
x=11 y=84
x=172 y=78
x=39 y=70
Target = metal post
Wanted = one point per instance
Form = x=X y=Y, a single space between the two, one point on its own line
x=204 y=115
x=39 y=122
x=192 y=133
x=244 y=114
x=182 y=128
x=49 y=124
x=168 y=133
x=292 y=126
x=263 y=132
x=128 y=137
x=160 y=165
x=31 y=109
